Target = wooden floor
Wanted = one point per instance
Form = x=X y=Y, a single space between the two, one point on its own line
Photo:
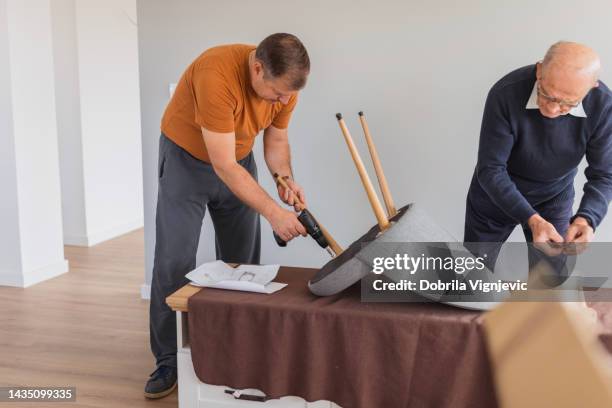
x=87 y=328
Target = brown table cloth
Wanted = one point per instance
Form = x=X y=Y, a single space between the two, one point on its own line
x=358 y=355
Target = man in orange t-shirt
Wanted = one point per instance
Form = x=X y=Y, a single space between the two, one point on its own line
x=222 y=101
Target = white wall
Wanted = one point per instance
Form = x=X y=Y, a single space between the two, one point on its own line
x=419 y=70
x=33 y=233
x=69 y=120
x=96 y=52
x=10 y=256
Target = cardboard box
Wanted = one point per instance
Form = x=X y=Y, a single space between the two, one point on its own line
x=548 y=354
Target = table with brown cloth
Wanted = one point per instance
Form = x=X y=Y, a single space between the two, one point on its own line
x=357 y=355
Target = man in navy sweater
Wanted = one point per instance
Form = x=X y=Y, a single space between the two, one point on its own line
x=539 y=122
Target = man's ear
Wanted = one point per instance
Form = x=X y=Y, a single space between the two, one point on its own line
x=538 y=70
x=258 y=66
x=596 y=84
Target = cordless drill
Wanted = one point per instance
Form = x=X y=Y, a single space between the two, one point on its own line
x=312 y=228
x=311 y=225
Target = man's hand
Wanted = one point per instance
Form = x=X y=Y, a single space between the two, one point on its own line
x=285 y=223
x=579 y=233
x=292 y=195
x=545 y=235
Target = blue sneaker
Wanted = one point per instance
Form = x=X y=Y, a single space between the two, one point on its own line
x=161 y=383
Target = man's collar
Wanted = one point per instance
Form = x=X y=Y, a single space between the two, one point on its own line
x=532 y=103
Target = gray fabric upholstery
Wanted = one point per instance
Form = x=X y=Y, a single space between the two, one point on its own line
x=411 y=225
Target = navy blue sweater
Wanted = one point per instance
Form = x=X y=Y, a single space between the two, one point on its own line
x=525 y=159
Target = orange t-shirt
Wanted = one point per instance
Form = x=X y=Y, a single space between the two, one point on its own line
x=215 y=93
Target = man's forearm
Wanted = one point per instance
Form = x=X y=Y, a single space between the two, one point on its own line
x=596 y=197
x=277 y=151
x=244 y=186
x=278 y=159
x=503 y=192
x=598 y=188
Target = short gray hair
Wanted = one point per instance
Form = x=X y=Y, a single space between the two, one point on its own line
x=552 y=52
x=284 y=55
x=592 y=68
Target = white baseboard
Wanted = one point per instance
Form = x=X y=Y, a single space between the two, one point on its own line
x=145 y=291
x=29 y=278
x=103 y=235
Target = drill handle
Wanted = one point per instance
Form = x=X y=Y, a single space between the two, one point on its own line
x=279 y=240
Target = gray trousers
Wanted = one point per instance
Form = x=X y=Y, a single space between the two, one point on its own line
x=187 y=186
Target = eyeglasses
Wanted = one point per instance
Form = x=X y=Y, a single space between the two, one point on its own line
x=562 y=104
